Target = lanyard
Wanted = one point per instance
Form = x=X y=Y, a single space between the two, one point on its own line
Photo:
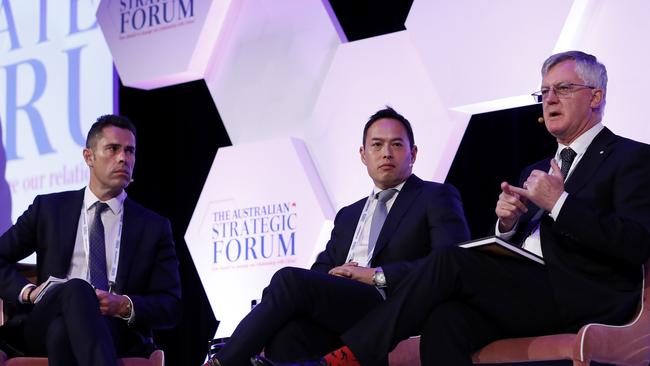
x=84 y=230
x=360 y=226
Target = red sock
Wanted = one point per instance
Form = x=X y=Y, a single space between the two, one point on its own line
x=341 y=357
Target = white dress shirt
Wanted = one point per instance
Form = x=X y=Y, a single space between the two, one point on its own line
x=359 y=251
x=111 y=219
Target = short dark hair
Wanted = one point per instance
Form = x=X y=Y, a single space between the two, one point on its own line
x=389 y=112
x=105 y=121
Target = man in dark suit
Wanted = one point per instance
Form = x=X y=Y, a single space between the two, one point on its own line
x=593 y=232
x=117 y=256
x=303 y=312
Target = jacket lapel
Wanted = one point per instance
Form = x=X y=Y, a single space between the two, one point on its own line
x=69 y=224
x=400 y=207
x=351 y=226
x=598 y=150
x=131 y=228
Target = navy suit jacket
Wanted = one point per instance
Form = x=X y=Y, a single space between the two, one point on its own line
x=425 y=216
x=595 y=248
x=148 y=266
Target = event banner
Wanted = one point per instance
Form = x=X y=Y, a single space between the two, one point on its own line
x=56 y=78
x=163 y=42
x=262 y=208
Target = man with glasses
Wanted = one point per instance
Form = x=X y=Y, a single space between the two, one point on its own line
x=586 y=211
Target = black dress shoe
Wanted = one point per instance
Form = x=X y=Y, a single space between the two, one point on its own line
x=262 y=361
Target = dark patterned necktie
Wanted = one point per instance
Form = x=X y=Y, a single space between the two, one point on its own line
x=379 y=216
x=566 y=155
x=97 y=248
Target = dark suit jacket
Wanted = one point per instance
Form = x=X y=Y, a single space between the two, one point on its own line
x=425 y=216
x=148 y=266
x=595 y=249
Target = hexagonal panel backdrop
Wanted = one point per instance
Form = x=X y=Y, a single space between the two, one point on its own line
x=159 y=43
x=262 y=208
x=387 y=71
x=267 y=77
x=477 y=51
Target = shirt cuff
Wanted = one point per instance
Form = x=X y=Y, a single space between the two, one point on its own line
x=555 y=211
x=20 y=295
x=508 y=234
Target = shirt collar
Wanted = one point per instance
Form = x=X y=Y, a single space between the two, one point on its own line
x=398 y=187
x=580 y=144
x=115 y=204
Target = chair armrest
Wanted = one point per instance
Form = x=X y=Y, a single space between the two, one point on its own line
x=611 y=344
x=541 y=348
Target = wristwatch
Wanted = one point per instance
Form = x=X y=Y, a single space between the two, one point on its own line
x=127 y=306
x=378 y=278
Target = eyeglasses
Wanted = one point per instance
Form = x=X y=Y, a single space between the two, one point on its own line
x=560 y=91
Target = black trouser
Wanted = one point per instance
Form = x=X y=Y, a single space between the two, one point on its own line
x=458 y=300
x=314 y=306
x=67 y=326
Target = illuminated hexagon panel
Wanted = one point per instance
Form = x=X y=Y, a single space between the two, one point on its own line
x=387 y=71
x=267 y=77
x=262 y=208
x=618 y=33
x=159 y=43
x=480 y=51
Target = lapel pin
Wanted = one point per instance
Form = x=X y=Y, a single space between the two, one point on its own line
x=602 y=152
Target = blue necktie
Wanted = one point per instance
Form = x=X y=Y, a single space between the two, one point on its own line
x=378 y=217
x=97 y=247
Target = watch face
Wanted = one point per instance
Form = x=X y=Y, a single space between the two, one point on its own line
x=379 y=278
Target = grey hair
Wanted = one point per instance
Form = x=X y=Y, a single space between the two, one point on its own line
x=588 y=68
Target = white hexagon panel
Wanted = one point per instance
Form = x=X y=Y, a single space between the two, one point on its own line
x=262 y=208
x=482 y=51
x=267 y=77
x=160 y=43
x=617 y=33
x=365 y=76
